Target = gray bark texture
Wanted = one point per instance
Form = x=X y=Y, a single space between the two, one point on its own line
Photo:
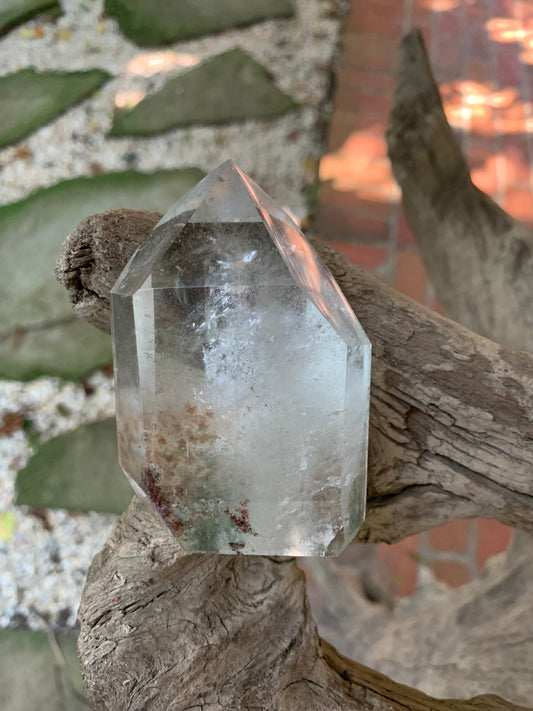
x=451 y=437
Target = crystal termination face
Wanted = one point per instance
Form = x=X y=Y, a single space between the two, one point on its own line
x=242 y=379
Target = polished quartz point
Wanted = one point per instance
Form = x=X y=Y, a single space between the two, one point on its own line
x=242 y=379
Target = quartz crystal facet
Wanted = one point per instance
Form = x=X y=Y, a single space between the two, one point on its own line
x=242 y=379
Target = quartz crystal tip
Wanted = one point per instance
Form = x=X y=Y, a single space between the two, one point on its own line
x=242 y=379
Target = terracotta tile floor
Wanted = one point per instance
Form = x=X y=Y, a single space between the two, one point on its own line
x=482 y=57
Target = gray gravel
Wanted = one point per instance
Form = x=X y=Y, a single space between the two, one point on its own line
x=43 y=563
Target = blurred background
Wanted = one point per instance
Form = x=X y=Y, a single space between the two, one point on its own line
x=128 y=103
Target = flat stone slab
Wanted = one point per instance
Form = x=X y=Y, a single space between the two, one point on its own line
x=224 y=89
x=78 y=471
x=13 y=12
x=32 y=678
x=156 y=22
x=68 y=349
x=39 y=334
x=31 y=99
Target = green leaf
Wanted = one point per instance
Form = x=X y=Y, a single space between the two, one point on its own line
x=156 y=22
x=8 y=523
x=31 y=99
x=78 y=471
x=13 y=12
x=226 y=88
x=38 y=333
x=32 y=677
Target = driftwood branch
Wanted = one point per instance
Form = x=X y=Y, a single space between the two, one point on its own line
x=451 y=412
x=445 y=642
x=479 y=636
x=479 y=258
x=154 y=623
x=164 y=631
x=481 y=266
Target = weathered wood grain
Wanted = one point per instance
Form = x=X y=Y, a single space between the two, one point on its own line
x=168 y=632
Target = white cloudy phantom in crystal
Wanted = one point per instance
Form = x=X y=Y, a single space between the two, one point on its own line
x=242 y=379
